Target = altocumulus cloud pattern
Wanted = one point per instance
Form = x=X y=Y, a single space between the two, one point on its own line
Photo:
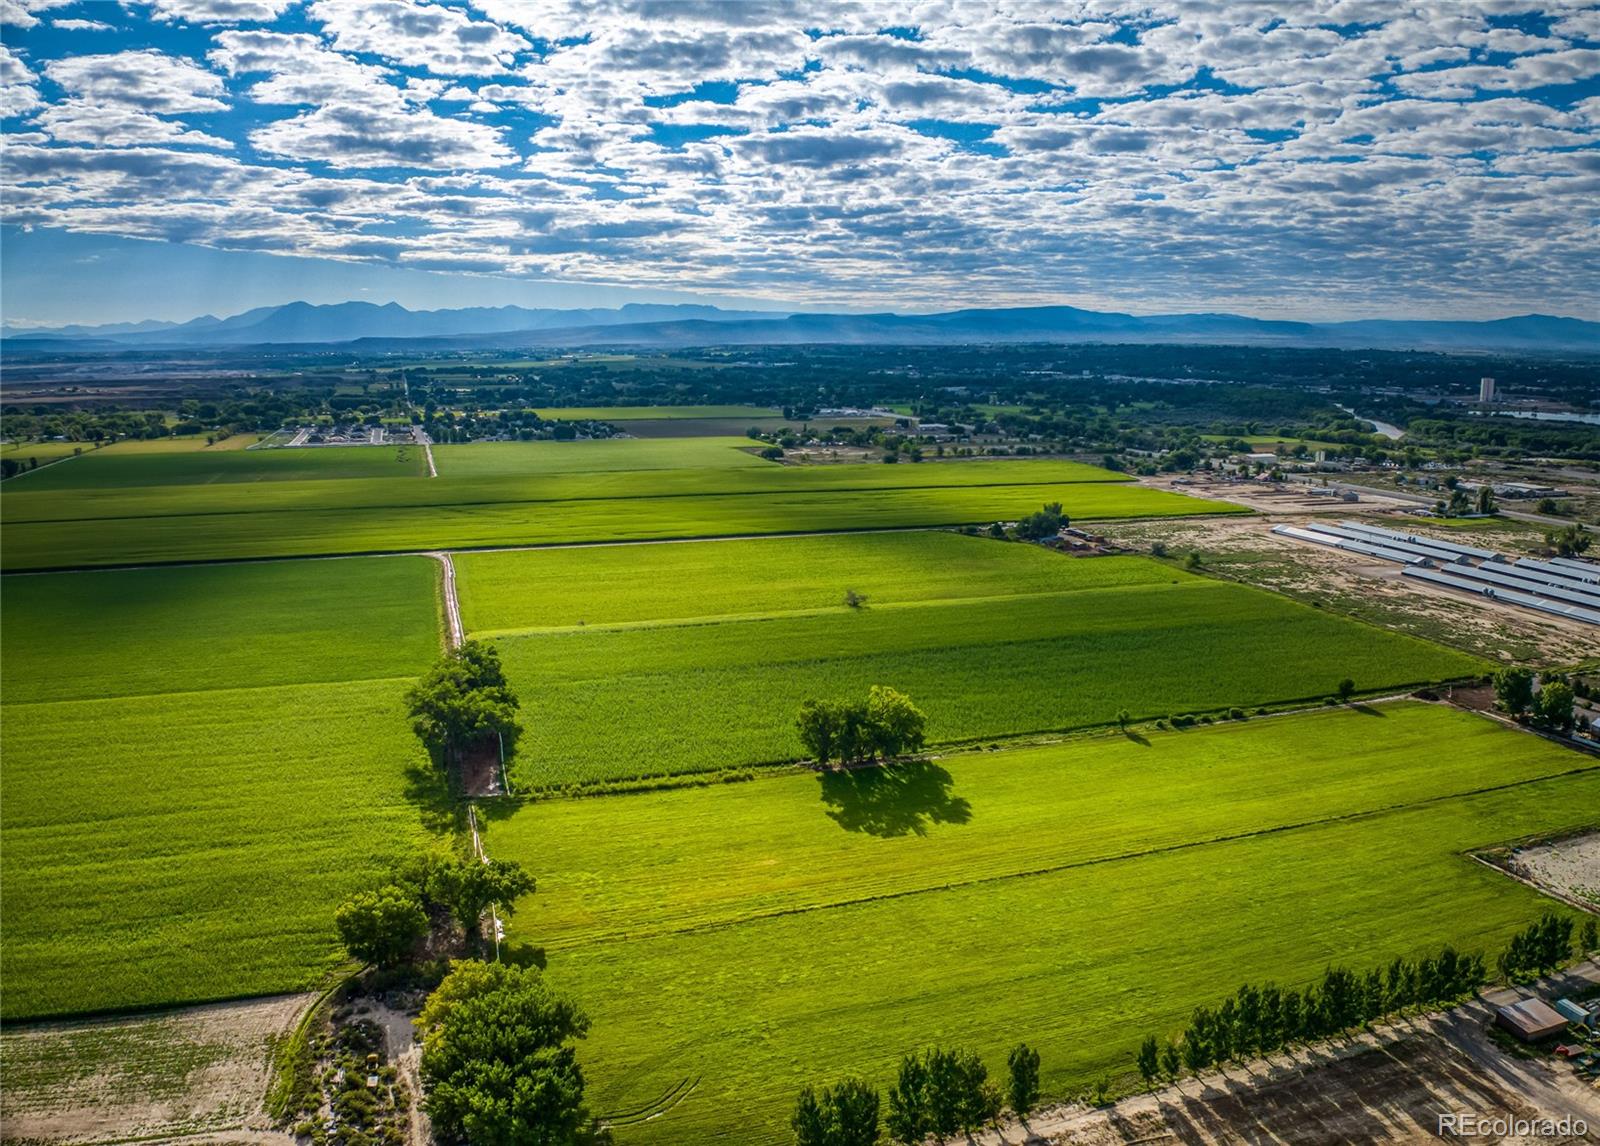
x=1358 y=153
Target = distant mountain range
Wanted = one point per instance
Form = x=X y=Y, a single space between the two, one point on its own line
x=663 y=326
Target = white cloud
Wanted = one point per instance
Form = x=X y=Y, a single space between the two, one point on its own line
x=147 y=79
x=813 y=153
x=82 y=121
x=442 y=40
x=82 y=25
x=19 y=90
x=212 y=12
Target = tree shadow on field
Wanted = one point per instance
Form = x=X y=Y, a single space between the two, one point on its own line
x=894 y=800
x=429 y=790
x=1368 y=710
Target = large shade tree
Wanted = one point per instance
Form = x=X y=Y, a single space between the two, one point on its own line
x=498 y=1062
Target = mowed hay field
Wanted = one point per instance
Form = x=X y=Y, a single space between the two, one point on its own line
x=117 y=468
x=752 y=938
x=599 y=455
x=706 y=664
x=69 y=529
x=198 y=764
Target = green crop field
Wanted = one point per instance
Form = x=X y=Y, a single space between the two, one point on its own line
x=115 y=468
x=715 y=677
x=71 y=636
x=197 y=765
x=599 y=455
x=606 y=585
x=654 y=413
x=68 y=529
x=752 y=938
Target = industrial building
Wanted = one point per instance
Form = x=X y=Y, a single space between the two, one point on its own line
x=1567 y=589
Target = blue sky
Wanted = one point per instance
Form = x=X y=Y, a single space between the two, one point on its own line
x=1309 y=159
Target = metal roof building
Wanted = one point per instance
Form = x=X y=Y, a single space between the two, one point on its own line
x=1531 y=1020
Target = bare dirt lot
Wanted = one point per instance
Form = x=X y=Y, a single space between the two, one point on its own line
x=1389 y=1086
x=1569 y=867
x=186 y=1073
x=1245 y=549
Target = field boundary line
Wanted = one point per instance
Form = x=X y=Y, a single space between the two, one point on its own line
x=1095 y=861
x=710 y=619
x=483 y=857
x=452 y=604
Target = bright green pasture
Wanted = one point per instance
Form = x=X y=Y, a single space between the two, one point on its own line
x=795 y=929
x=595 y=585
x=192 y=846
x=133 y=532
x=114 y=468
x=68 y=636
x=599 y=455
x=654 y=413
x=654 y=699
x=197 y=765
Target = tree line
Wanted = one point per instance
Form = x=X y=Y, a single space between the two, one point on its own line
x=1544 y=945
x=939 y=1092
x=1551 y=706
x=1261 y=1020
x=883 y=725
x=384 y=925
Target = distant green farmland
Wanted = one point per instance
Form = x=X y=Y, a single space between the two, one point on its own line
x=197 y=765
x=98 y=527
x=595 y=456
x=114 y=468
x=655 y=413
x=796 y=929
x=1066 y=644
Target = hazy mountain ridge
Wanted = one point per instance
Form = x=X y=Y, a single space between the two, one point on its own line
x=686 y=325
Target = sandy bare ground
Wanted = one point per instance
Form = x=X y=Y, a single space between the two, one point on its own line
x=1246 y=549
x=1570 y=867
x=198 y=1074
x=1390 y=1085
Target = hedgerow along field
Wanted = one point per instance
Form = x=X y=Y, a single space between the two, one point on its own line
x=181 y=818
x=172 y=524
x=115 y=468
x=753 y=938
x=705 y=668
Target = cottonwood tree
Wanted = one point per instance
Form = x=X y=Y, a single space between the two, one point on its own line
x=1553 y=709
x=1513 y=689
x=498 y=1063
x=381 y=926
x=463 y=699
x=886 y=724
x=471 y=886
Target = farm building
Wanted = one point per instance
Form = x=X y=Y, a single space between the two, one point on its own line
x=1531 y=1020
x=1576 y=1013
